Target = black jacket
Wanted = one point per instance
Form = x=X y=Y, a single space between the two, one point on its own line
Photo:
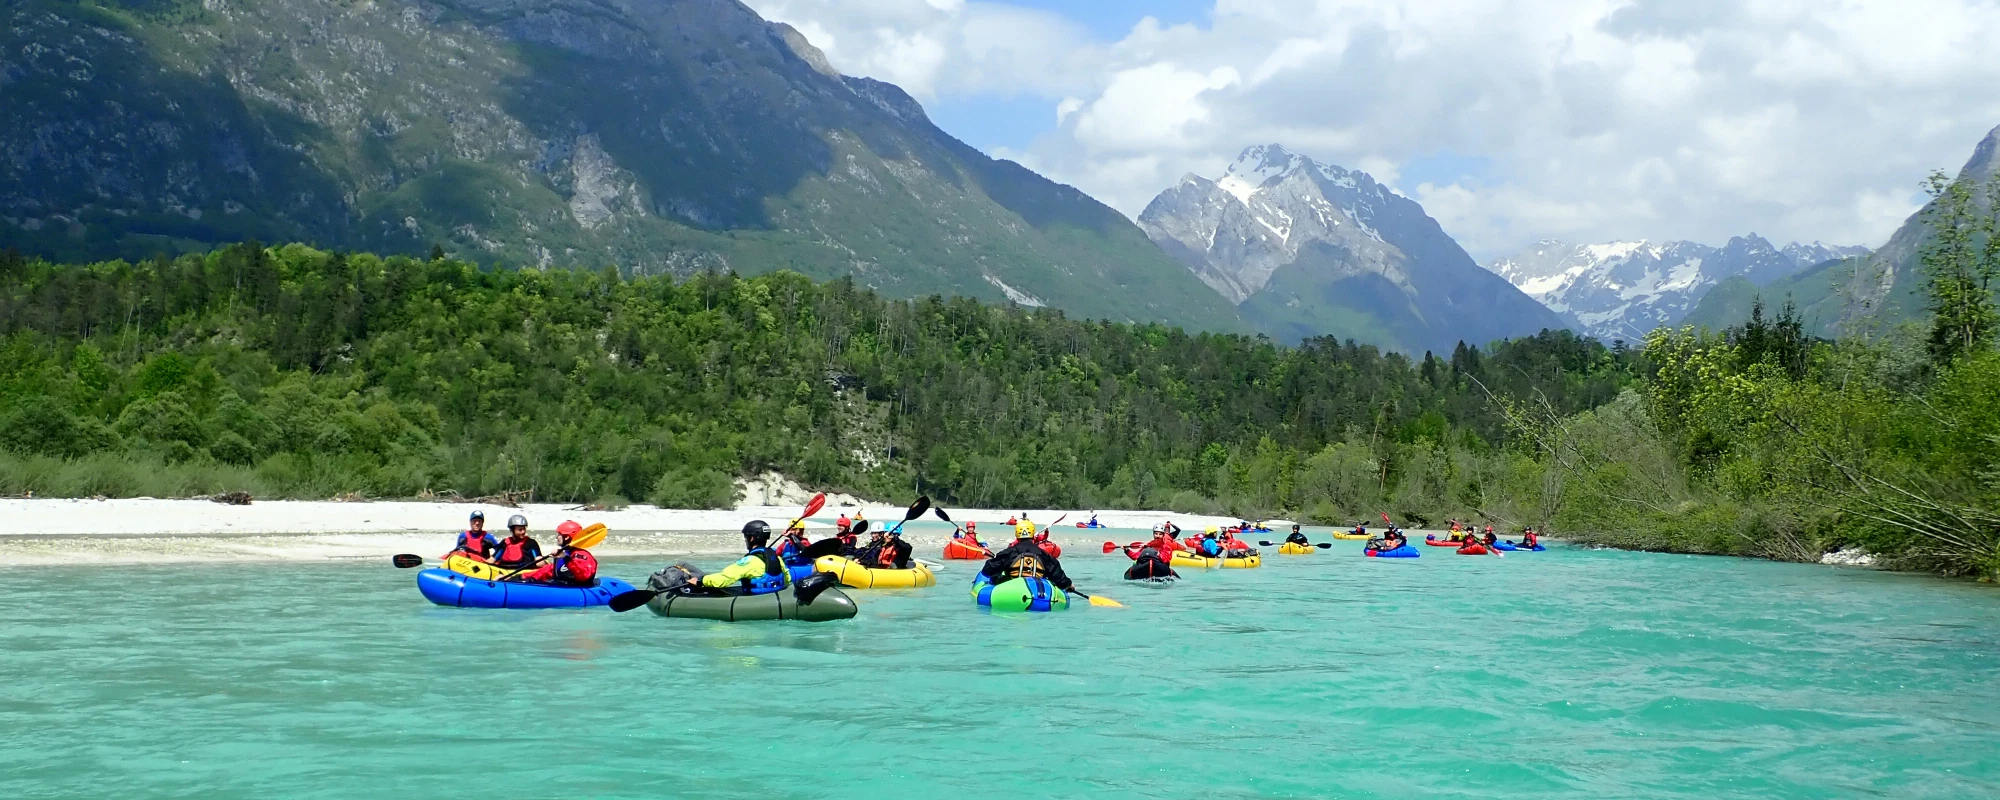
x=1014 y=562
x=1297 y=537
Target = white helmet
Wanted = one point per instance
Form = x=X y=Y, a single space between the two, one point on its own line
x=1160 y=527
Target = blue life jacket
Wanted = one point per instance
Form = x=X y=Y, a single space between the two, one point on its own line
x=1211 y=547
x=768 y=582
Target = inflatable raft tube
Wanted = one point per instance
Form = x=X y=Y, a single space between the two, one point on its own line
x=963 y=551
x=447 y=588
x=1018 y=594
x=1442 y=543
x=1339 y=535
x=857 y=576
x=1511 y=547
x=1406 y=551
x=1182 y=559
x=1292 y=549
x=827 y=605
x=1472 y=550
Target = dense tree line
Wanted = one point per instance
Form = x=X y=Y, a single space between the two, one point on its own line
x=290 y=371
x=1762 y=441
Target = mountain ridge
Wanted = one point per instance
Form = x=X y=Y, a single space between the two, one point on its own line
x=1306 y=248
x=1622 y=290
x=664 y=137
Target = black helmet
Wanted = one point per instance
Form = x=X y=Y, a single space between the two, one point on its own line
x=757 y=530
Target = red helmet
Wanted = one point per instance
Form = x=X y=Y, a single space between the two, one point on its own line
x=568 y=529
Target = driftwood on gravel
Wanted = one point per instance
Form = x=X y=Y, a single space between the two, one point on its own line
x=232 y=498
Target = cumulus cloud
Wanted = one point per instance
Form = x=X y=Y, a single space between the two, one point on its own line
x=1590 y=119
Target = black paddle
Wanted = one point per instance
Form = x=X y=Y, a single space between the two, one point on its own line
x=406 y=560
x=1320 y=545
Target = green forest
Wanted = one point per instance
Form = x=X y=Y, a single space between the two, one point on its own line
x=292 y=372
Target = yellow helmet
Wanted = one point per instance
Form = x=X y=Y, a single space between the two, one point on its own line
x=1212 y=530
x=1024 y=529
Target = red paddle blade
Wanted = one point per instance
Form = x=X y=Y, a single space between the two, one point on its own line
x=1385 y=518
x=813 y=506
x=1110 y=546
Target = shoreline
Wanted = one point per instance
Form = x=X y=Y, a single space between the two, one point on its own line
x=131 y=531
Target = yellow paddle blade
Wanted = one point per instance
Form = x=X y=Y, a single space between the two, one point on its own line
x=1104 y=602
x=590 y=537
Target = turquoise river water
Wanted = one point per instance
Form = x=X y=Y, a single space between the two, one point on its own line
x=1565 y=674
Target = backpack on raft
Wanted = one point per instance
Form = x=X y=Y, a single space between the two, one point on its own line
x=674 y=577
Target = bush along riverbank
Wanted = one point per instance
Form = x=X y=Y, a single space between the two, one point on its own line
x=1764 y=442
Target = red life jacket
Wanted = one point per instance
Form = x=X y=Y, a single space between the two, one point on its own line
x=511 y=550
x=1528 y=539
x=885 y=556
x=581 y=566
x=474 y=543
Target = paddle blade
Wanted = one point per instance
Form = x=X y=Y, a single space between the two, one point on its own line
x=1110 y=546
x=939 y=511
x=1385 y=518
x=1324 y=545
x=406 y=560
x=813 y=506
x=859 y=528
x=917 y=509
x=590 y=537
x=626 y=601
x=1104 y=602
x=1059 y=520
x=823 y=547
x=1262 y=543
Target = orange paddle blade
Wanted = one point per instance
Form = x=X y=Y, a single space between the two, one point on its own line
x=590 y=537
x=813 y=506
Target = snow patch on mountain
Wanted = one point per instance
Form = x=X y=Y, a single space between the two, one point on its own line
x=1622 y=290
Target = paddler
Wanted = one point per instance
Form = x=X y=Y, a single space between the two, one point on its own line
x=792 y=546
x=518 y=550
x=1296 y=537
x=474 y=542
x=759 y=571
x=1025 y=559
x=1529 y=538
x=1361 y=529
x=1233 y=547
x=572 y=566
x=844 y=531
x=1163 y=539
x=894 y=553
x=1210 y=545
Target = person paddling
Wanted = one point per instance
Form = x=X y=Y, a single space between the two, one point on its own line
x=1296 y=537
x=1209 y=545
x=970 y=537
x=1361 y=529
x=474 y=542
x=759 y=571
x=792 y=547
x=518 y=550
x=894 y=553
x=572 y=566
x=1163 y=539
x=1025 y=559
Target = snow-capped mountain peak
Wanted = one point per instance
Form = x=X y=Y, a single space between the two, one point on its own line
x=1298 y=239
x=1621 y=290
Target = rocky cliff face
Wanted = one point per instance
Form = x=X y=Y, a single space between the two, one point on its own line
x=1306 y=249
x=658 y=135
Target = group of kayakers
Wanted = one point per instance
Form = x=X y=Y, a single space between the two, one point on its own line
x=522 y=555
x=767 y=568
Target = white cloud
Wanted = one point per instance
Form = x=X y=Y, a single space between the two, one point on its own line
x=1596 y=119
